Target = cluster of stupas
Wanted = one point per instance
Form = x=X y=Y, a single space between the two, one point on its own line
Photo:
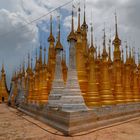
x=103 y=80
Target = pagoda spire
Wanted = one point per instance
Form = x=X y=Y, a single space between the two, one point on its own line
x=99 y=54
x=84 y=12
x=104 y=55
x=72 y=21
x=79 y=18
x=109 y=48
x=23 y=68
x=133 y=54
x=138 y=56
x=40 y=55
x=36 y=56
x=116 y=25
x=92 y=48
x=28 y=60
x=51 y=37
x=36 y=61
x=31 y=63
x=126 y=52
x=96 y=51
x=44 y=55
x=84 y=28
x=59 y=29
x=122 y=56
x=20 y=69
x=84 y=25
x=130 y=56
x=72 y=35
x=92 y=45
x=58 y=44
x=116 y=42
x=51 y=24
x=20 y=72
x=2 y=70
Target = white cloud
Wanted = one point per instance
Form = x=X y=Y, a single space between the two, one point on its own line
x=15 y=41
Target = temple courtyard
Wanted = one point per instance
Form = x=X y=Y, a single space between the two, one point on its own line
x=15 y=125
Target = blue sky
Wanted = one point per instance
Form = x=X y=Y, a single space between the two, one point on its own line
x=16 y=42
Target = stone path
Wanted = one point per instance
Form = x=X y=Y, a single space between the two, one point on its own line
x=15 y=125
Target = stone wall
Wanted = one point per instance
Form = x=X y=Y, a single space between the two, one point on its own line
x=74 y=122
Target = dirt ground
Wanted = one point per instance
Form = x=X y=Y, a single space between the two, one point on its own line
x=15 y=125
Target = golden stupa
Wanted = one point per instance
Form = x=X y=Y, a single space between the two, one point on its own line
x=3 y=87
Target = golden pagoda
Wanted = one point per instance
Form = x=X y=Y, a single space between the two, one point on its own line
x=127 y=85
x=3 y=87
x=122 y=69
x=97 y=67
x=118 y=88
x=44 y=90
x=132 y=71
x=40 y=99
x=81 y=54
x=30 y=80
x=110 y=63
x=106 y=94
x=36 y=81
x=51 y=57
x=92 y=97
x=135 y=81
x=14 y=89
x=23 y=80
